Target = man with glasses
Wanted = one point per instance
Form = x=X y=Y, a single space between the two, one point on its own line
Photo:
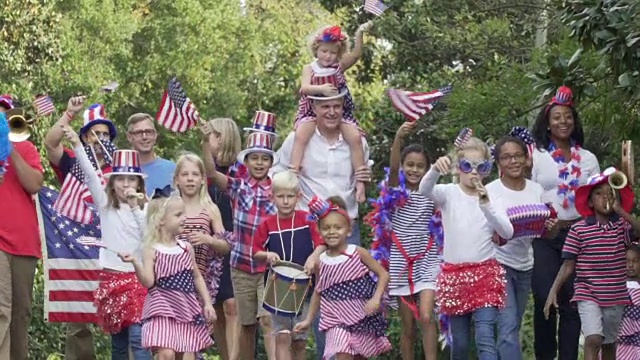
x=142 y=136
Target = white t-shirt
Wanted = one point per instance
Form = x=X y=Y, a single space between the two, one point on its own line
x=545 y=173
x=517 y=253
x=468 y=225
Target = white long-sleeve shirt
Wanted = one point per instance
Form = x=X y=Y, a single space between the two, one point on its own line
x=122 y=229
x=468 y=225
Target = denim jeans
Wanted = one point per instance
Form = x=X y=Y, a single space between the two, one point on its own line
x=485 y=321
x=317 y=334
x=131 y=336
x=510 y=318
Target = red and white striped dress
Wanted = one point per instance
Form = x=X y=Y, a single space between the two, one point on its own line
x=628 y=344
x=345 y=286
x=172 y=317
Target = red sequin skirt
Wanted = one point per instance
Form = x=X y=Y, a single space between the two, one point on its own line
x=119 y=300
x=464 y=288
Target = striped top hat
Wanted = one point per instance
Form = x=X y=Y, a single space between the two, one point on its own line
x=330 y=76
x=95 y=114
x=259 y=142
x=6 y=101
x=264 y=122
x=563 y=97
x=319 y=208
x=126 y=162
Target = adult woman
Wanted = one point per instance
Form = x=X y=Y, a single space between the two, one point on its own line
x=560 y=165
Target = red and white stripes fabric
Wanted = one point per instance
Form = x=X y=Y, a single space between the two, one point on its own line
x=166 y=333
x=414 y=105
x=177 y=112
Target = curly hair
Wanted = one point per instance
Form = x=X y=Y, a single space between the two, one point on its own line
x=315 y=40
x=540 y=131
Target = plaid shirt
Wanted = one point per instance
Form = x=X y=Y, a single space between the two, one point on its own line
x=251 y=203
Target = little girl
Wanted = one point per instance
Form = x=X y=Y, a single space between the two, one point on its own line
x=174 y=319
x=346 y=295
x=472 y=282
x=203 y=227
x=628 y=345
x=330 y=48
x=120 y=297
x=414 y=262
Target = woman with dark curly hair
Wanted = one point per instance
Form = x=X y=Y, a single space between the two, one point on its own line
x=560 y=166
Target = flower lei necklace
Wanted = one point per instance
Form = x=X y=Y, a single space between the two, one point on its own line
x=568 y=172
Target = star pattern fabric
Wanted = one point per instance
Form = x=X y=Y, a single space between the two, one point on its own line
x=182 y=281
x=362 y=288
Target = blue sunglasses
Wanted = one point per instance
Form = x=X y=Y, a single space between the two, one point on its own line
x=483 y=167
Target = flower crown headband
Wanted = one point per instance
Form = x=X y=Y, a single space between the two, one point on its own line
x=320 y=208
x=331 y=34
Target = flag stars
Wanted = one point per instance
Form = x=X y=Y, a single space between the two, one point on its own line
x=58 y=245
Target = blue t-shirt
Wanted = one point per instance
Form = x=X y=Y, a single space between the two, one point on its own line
x=159 y=174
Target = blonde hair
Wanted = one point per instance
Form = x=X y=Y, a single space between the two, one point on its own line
x=156 y=211
x=315 y=40
x=473 y=144
x=285 y=180
x=231 y=141
x=112 y=199
x=203 y=193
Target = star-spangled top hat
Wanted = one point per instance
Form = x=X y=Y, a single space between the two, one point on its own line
x=6 y=101
x=259 y=142
x=584 y=193
x=95 y=114
x=329 y=77
x=264 y=122
x=126 y=162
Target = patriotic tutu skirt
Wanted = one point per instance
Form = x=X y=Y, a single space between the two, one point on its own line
x=464 y=288
x=119 y=301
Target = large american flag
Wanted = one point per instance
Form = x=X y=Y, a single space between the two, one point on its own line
x=71 y=270
x=375 y=7
x=177 y=113
x=414 y=105
x=44 y=105
x=75 y=194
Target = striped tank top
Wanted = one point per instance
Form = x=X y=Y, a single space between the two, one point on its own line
x=204 y=253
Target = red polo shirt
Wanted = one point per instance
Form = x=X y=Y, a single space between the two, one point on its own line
x=19 y=231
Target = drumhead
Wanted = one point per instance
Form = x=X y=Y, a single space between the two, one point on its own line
x=290 y=272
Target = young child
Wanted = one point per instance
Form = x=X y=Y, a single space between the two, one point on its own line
x=330 y=48
x=628 y=346
x=471 y=283
x=287 y=236
x=203 y=227
x=413 y=259
x=595 y=249
x=226 y=132
x=251 y=197
x=174 y=321
x=120 y=297
x=346 y=295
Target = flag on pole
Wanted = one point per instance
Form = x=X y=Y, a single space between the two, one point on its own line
x=75 y=194
x=414 y=105
x=44 y=105
x=375 y=7
x=177 y=113
x=71 y=269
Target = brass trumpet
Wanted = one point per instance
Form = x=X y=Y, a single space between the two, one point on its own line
x=19 y=125
x=617 y=181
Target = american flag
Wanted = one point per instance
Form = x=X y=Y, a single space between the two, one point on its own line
x=75 y=194
x=628 y=345
x=414 y=105
x=44 y=105
x=375 y=7
x=177 y=113
x=71 y=270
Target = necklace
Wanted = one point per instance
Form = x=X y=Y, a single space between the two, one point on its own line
x=568 y=172
x=293 y=221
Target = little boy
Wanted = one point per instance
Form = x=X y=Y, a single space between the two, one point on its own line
x=288 y=236
x=595 y=249
x=251 y=199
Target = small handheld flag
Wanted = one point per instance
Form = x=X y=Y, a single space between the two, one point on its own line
x=44 y=105
x=375 y=7
x=414 y=105
x=177 y=113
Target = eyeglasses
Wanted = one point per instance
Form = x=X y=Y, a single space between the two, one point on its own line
x=483 y=167
x=140 y=133
x=508 y=158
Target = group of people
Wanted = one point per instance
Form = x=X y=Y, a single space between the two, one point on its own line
x=187 y=247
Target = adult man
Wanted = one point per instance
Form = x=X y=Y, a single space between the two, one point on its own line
x=79 y=342
x=19 y=246
x=142 y=136
x=327 y=169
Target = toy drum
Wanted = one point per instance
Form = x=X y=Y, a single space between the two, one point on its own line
x=286 y=289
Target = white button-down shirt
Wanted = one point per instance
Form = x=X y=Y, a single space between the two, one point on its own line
x=327 y=170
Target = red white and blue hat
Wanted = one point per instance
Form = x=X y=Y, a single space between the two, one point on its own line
x=126 y=162
x=330 y=77
x=259 y=142
x=6 y=101
x=584 y=192
x=264 y=122
x=563 y=97
x=95 y=114
x=319 y=208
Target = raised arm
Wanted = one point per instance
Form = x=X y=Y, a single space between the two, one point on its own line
x=396 y=150
x=351 y=58
x=210 y=148
x=53 y=139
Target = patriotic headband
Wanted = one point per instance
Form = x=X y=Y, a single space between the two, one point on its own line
x=463 y=137
x=165 y=192
x=331 y=34
x=320 y=208
x=564 y=97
